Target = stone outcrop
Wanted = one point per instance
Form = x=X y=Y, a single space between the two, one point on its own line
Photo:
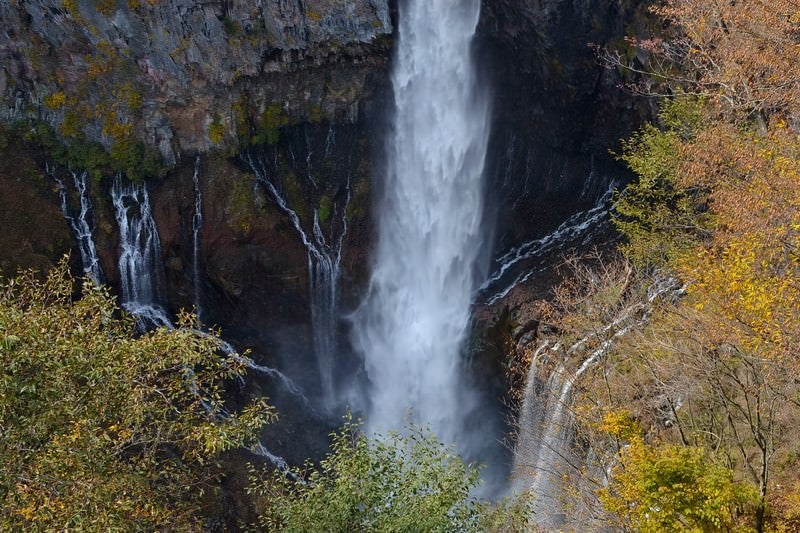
x=179 y=74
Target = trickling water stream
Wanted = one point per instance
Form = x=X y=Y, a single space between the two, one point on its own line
x=519 y=264
x=324 y=260
x=197 y=225
x=141 y=275
x=545 y=451
x=81 y=223
x=413 y=323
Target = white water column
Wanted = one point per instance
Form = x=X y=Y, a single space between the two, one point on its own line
x=141 y=270
x=412 y=325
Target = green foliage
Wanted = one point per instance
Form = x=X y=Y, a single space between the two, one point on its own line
x=660 y=219
x=127 y=155
x=102 y=430
x=136 y=160
x=269 y=123
x=394 y=483
x=85 y=155
x=240 y=210
x=253 y=130
x=232 y=27
x=325 y=208
x=216 y=131
x=671 y=488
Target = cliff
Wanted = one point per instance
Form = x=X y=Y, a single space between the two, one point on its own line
x=304 y=86
x=184 y=76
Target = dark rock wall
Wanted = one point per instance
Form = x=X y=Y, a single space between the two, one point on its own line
x=33 y=234
x=558 y=112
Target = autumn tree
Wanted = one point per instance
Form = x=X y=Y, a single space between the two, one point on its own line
x=667 y=487
x=104 y=430
x=720 y=370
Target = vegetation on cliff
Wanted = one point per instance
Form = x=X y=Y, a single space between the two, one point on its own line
x=690 y=406
x=397 y=482
x=692 y=418
x=102 y=429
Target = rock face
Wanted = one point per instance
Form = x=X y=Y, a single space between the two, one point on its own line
x=307 y=82
x=558 y=112
x=34 y=233
x=179 y=73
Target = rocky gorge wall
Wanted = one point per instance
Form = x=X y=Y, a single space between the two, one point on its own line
x=558 y=112
x=303 y=83
x=181 y=75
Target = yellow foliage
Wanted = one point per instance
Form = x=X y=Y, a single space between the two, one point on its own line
x=57 y=100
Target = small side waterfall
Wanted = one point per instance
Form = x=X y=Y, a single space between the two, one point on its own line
x=140 y=266
x=81 y=223
x=413 y=323
x=141 y=274
x=324 y=259
x=519 y=264
x=545 y=450
x=197 y=225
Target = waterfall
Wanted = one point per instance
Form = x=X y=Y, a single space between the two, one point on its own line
x=412 y=325
x=140 y=266
x=519 y=264
x=141 y=275
x=545 y=452
x=81 y=223
x=324 y=260
x=197 y=224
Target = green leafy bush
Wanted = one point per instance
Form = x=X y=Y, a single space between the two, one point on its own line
x=658 y=217
x=103 y=430
x=398 y=482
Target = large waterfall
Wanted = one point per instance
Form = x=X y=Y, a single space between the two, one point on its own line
x=412 y=326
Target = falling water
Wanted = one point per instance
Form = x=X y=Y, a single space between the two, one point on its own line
x=141 y=274
x=519 y=264
x=197 y=224
x=324 y=260
x=82 y=223
x=545 y=450
x=412 y=326
x=140 y=266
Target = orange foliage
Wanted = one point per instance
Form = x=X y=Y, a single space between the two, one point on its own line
x=748 y=276
x=747 y=52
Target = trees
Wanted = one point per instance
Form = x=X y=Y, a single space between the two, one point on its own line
x=724 y=362
x=398 y=482
x=103 y=430
x=660 y=215
x=668 y=487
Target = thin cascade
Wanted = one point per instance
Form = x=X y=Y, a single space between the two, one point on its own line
x=544 y=452
x=197 y=225
x=324 y=260
x=514 y=267
x=140 y=271
x=285 y=381
x=140 y=265
x=81 y=223
x=412 y=325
